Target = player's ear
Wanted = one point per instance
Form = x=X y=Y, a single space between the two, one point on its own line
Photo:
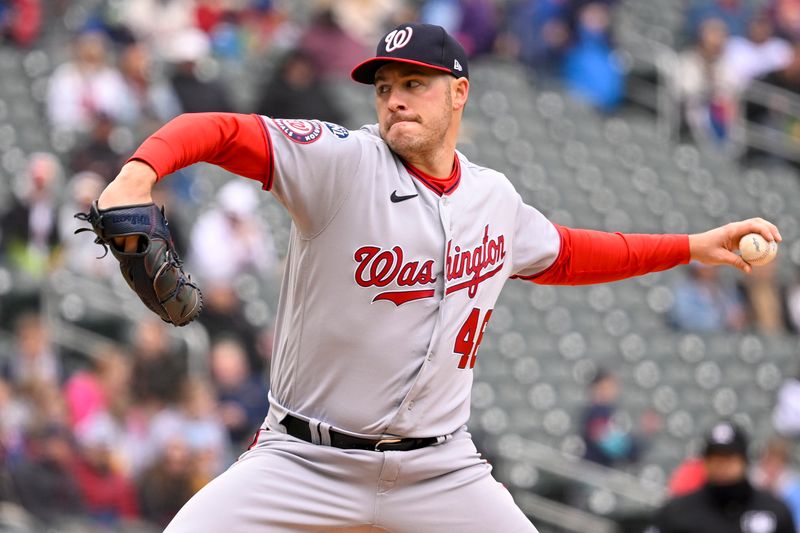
x=460 y=92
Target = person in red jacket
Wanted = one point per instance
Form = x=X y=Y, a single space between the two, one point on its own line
x=109 y=496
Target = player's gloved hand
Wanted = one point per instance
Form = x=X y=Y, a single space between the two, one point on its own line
x=717 y=246
x=151 y=267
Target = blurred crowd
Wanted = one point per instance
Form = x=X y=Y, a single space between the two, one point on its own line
x=127 y=431
x=705 y=300
x=127 y=436
x=716 y=487
x=729 y=45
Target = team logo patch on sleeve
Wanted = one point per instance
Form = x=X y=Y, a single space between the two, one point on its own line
x=339 y=131
x=299 y=131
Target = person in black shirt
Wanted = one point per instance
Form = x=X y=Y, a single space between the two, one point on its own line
x=297 y=91
x=727 y=502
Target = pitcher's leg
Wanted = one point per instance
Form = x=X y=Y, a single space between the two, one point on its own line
x=465 y=503
x=285 y=486
x=449 y=488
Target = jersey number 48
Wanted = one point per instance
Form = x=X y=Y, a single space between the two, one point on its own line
x=470 y=336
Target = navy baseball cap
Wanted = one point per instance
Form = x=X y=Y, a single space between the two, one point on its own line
x=418 y=44
x=725 y=438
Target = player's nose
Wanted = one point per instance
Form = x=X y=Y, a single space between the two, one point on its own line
x=396 y=102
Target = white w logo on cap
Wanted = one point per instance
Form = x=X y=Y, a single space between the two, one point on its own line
x=398 y=38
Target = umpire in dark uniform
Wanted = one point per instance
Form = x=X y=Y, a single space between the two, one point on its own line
x=727 y=502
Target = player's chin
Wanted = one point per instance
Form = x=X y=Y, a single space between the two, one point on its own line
x=403 y=134
x=401 y=145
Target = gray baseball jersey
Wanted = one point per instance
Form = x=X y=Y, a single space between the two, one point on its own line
x=389 y=284
x=388 y=288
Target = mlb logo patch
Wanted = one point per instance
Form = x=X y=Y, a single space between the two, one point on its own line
x=340 y=131
x=299 y=131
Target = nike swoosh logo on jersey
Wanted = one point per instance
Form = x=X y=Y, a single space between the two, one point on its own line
x=395 y=199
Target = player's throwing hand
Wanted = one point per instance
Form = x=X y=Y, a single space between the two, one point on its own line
x=717 y=246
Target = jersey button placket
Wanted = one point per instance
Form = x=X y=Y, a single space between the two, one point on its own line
x=446 y=217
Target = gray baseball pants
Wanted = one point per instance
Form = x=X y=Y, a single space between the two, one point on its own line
x=283 y=484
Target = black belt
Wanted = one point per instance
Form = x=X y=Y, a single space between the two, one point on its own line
x=300 y=429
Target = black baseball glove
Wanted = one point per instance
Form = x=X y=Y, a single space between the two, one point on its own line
x=154 y=271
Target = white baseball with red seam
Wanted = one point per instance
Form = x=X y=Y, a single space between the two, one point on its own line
x=756 y=250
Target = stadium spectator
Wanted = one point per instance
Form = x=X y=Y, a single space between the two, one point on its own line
x=15 y=413
x=48 y=407
x=204 y=431
x=334 y=49
x=80 y=254
x=479 y=26
x=786 y=412
x=756 y=55
x=591 y=70
x=786 y=15
x=85 y=87
x=765 y=309
x=197 y=90
x=108 y=494
x=227 y=41
x=158 y=22
x=223 y=317
x=104 y=386
x=194 y=420
x=774 y=474
x=149 y=100
x=793 y=303
x=735 y=14
x=727 y=502
x=541 y=31
x=608 y=441
x=241 y=396
x=20 y=21
x=780 y=114
x=703 y=87
x=296 y=91
x=158 y=369
x=33 y=361
x=168 y=483
x=43 y=482
x=363 y=20
x=444 y=13
x=209 y=13
x=95 y=151
x=233 y=225
x=29 y=235
x=705 y=303
x=688 y=477
x=266 y=25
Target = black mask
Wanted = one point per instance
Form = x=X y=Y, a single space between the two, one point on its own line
x=722 y=495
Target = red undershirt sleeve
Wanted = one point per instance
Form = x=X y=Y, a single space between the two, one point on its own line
x=589 y=256
x=238 y=143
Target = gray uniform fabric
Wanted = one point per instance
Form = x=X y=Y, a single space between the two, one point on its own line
x=286 y=485
x=387 y=290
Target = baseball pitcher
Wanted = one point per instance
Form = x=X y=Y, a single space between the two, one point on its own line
x=399 y=249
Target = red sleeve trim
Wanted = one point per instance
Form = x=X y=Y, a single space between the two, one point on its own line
x=588 y=256
x=232 y=141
